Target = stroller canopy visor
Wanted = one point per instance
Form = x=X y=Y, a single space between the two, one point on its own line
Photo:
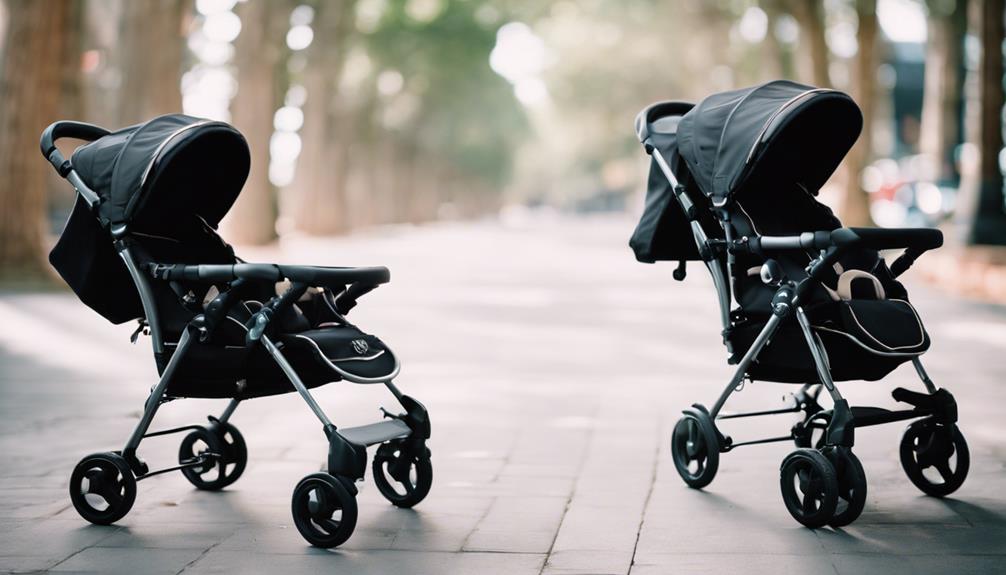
x=779 y=133
x=173 y=165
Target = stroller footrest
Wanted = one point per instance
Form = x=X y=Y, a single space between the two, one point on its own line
x=375 y=433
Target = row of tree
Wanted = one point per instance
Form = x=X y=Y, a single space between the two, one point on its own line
x=435 y=138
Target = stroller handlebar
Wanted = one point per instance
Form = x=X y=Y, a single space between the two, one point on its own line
x=310 y=275
x=66 y=129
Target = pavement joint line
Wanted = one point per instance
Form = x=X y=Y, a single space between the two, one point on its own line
x=572 y=493
x=196 y=560
x=649 y=494
x=82 y=549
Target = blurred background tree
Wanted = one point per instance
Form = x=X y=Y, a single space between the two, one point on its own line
x=371 y=112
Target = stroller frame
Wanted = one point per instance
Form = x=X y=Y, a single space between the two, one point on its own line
x=832 y=464
x=402 y=436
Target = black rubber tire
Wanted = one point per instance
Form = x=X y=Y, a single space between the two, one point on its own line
x=315 y=516
x=695 y=449
x=851 y=485
x=221 y=438
x=109 y=479
x=926 y=444
x=393 y=464
x=815 y=503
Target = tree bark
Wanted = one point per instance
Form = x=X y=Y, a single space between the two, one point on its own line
x=151 y=45
x=809 y=14
x=944 y=84
x=318 y=189
x=981 y=204
x=29 y=90
x=856 y=202
x=259 y=51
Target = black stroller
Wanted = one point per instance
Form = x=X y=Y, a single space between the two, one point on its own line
x=732 y=183
x=140 y=245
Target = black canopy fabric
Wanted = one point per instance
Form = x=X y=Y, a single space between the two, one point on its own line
x=663 y=232
x=178 y=163
x=170 y=181
x=778 y=133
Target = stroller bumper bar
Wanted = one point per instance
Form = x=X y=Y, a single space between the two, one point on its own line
x=310 y=275
x=919 y=239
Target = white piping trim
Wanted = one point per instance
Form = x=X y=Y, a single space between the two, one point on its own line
x=351 y=377
x=866 y=347
x=918 y=321
x=165 y=142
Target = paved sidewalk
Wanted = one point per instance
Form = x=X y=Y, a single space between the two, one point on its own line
x=554 y=367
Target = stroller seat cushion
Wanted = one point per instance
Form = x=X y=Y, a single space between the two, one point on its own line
x=885 y=327
x=341 y=351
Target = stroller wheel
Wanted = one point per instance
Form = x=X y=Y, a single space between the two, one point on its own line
x=935 y=457
x=403 y=478
x=809 y=487
x=695 y=449
x=227 y=456
x=851 y=485
x=102 y=488
x=324 y=510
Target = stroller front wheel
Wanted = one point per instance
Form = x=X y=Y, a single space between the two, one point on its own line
x=809 y=487
x=404 y=478
x=935 y=457
x=102 y=488
x=851 y=485
x=695 y=449
x=324 y=510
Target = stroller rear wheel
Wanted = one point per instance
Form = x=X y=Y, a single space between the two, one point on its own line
x=851 y=485
x=324 y=510
x=809 y=487
x=102 y=488
x=935 y=457
x=695 y=448
x=404 y=478
x=226 y=452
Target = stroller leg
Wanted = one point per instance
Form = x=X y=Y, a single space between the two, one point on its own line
x=153 y=402
x=766 y=333
x=930 y=386
x=841 y=427
x=228 y=411
x=297 y=383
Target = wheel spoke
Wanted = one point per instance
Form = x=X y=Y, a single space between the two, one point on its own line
x=944 y=468
x=809 y=503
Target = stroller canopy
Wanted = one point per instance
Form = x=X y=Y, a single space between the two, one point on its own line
x=776 y=134
x=171 y=166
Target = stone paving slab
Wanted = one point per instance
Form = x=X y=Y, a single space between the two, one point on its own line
x=554 y=368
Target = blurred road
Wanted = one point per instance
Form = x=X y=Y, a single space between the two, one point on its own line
x=554 y=367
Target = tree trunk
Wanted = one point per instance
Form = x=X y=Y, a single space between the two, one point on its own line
x=70 y=107
x=151 y=45
x=29 y=90
x=856 y=202
x=809 y=15
x=982 y=203
x=944 y=84
x=318 y=189
x=259 y=51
